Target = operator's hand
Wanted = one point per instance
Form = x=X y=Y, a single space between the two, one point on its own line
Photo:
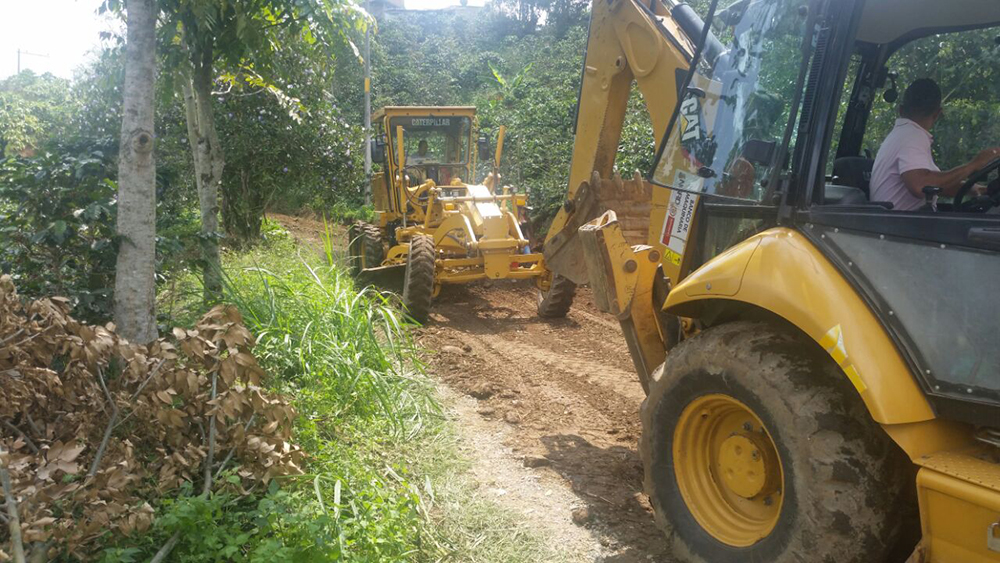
x=986 y=156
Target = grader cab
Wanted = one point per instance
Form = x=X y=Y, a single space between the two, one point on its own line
x=433 y=226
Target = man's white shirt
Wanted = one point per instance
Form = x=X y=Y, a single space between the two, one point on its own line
x=906 y=148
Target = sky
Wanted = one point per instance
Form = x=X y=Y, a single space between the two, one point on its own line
x=66 y=31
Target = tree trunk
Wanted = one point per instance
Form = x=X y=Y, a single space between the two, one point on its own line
x=135 y=284
x=209 y=162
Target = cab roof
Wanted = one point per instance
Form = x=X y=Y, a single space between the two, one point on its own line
x=891 y=21
x=423 y=110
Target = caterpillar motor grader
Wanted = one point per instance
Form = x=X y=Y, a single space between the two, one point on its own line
x=822 y=371
x=433 y=227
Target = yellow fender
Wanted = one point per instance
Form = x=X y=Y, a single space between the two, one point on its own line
x=780 y=271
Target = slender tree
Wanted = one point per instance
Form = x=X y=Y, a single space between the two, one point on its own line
x=209 y=39
x=135 y=287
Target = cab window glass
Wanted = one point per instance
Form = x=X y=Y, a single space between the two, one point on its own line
x=963 y=65
x=433 y=139
x=739 y=103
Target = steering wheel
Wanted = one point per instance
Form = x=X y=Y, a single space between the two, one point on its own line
x=978 y=204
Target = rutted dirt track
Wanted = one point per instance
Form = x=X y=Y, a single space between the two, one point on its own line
x=568 y=387
x=560 y=393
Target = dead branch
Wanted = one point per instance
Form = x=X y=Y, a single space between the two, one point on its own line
x=233 y=449
x=166 y=549
x=211 y=438
x=31 y=423
x=135 y=395
x=14 y=521
x=21 y=433
x=12 y=337
x=108 y=430
x=152 y=374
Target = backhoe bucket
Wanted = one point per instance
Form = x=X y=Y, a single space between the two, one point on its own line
x=622 y=277
x=631 y=201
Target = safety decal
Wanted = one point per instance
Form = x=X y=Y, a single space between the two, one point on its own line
x=833 y=343
x=680 y=214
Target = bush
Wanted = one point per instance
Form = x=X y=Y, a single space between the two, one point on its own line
x=57 y=229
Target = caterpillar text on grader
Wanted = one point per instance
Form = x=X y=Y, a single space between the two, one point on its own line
x=433 y=227
x=822 y=371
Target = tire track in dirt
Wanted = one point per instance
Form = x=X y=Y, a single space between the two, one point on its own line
x=569 y=389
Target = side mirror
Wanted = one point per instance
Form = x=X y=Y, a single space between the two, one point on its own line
x=483 y=148
x=377 y=148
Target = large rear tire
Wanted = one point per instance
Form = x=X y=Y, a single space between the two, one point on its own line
x=556 y=302
x=757 y=448
x=418 y=283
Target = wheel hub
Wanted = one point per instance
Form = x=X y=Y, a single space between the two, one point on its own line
x=728 y=470
x=742 y=466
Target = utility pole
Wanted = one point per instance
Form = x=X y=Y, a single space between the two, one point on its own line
x=27 y=54
x=368 y=110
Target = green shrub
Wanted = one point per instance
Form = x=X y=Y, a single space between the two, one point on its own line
x=57 y=229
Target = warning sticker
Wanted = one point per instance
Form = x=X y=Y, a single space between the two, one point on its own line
x=680 y=214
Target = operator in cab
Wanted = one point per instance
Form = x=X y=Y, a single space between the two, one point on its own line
x=904 y=164
x=421 y=157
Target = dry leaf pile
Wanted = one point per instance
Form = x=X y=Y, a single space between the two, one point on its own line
x=93 y=428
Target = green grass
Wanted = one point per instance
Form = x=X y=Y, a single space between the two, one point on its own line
x=384 y=481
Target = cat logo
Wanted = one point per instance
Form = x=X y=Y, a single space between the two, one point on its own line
x=691 y=125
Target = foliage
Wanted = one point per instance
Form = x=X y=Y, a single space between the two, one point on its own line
x=963 y=65
x=57 y=217
x=347 y=359
x=33 y=110
x=311 y=159
x=526 y=81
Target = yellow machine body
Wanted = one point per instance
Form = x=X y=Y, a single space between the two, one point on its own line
x=476 y=228
x=642 y=274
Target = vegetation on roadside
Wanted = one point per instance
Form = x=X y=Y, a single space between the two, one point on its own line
x=382 y=480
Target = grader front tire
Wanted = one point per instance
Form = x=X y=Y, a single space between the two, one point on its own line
x=364 y=247
x=371 y=246
x=418 y=283
x=757 y=448
x=556 y=302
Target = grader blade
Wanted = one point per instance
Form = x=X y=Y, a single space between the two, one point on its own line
x=385 y=277
x=629 y=199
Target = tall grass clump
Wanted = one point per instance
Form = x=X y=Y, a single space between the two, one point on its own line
x=346 y=356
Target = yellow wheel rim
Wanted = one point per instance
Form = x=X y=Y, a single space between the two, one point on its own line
x=728 y=470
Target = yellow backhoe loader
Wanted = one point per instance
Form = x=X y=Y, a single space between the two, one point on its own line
x=822 y=370
x=433 y=227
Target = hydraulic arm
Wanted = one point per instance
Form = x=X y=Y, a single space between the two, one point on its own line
x=629 y=43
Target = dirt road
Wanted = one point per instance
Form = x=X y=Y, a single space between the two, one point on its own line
x=569 y=389
x=558 y=395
